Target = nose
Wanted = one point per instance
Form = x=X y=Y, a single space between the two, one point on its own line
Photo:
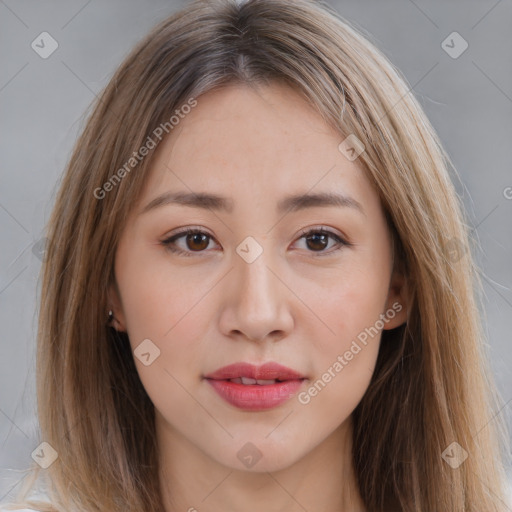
x=257 y=302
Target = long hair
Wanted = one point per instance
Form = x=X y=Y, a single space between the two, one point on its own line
x=432 y=384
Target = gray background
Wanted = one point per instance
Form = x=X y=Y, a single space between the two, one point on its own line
x=43 y=101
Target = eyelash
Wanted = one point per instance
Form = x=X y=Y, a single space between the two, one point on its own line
x=168 y=243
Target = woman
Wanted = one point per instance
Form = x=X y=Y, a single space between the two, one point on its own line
x=202 y=346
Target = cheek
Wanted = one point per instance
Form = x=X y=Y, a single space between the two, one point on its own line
x=157 y=301
x=344 y=362
x=349 y=303
x=346 y=340
x=170 y=307
x=160 y=306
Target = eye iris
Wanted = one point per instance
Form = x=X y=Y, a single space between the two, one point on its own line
x=197 y=238
x=315 y=239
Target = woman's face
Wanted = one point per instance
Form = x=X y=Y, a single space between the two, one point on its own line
x=252 y=286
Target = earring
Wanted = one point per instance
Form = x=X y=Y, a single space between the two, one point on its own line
x=113 y=322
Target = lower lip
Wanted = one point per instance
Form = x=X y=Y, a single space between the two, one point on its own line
x=254 y=397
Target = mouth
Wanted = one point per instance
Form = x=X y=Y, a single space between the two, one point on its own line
x=255 y=388
x=247 y=381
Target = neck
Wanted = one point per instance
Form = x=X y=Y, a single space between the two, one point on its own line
x=323 y=480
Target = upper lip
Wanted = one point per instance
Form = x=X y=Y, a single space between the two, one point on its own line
x=267 y=371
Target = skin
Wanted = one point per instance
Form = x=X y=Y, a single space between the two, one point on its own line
x=290 y=305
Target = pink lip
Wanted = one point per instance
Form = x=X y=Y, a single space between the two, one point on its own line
x=254 y=397
x=266 y=371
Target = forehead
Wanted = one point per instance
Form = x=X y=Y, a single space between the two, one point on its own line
x=272 y=123
x=264 y=142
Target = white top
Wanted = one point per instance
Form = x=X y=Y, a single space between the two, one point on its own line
x=18 y=510
x=2 y=509
x=38 y=495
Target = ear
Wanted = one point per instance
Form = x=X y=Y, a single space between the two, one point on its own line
x=114 y=304
x=396 y=302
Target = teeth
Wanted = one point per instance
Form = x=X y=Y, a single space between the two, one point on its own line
x=249 y=381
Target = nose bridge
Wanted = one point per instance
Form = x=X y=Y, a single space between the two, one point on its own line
x=257 y=300
x=256 y=283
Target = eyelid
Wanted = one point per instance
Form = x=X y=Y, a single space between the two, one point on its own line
x=186 y=230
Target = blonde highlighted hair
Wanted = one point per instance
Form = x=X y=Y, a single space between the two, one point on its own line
x=432 y=385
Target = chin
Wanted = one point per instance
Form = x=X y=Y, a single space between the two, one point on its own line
x=258 y=454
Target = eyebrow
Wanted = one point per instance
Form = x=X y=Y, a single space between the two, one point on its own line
x=290 y=203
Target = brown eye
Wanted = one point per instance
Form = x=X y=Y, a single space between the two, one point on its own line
x=194 y=241
x=197 y=241
x=317 y=241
